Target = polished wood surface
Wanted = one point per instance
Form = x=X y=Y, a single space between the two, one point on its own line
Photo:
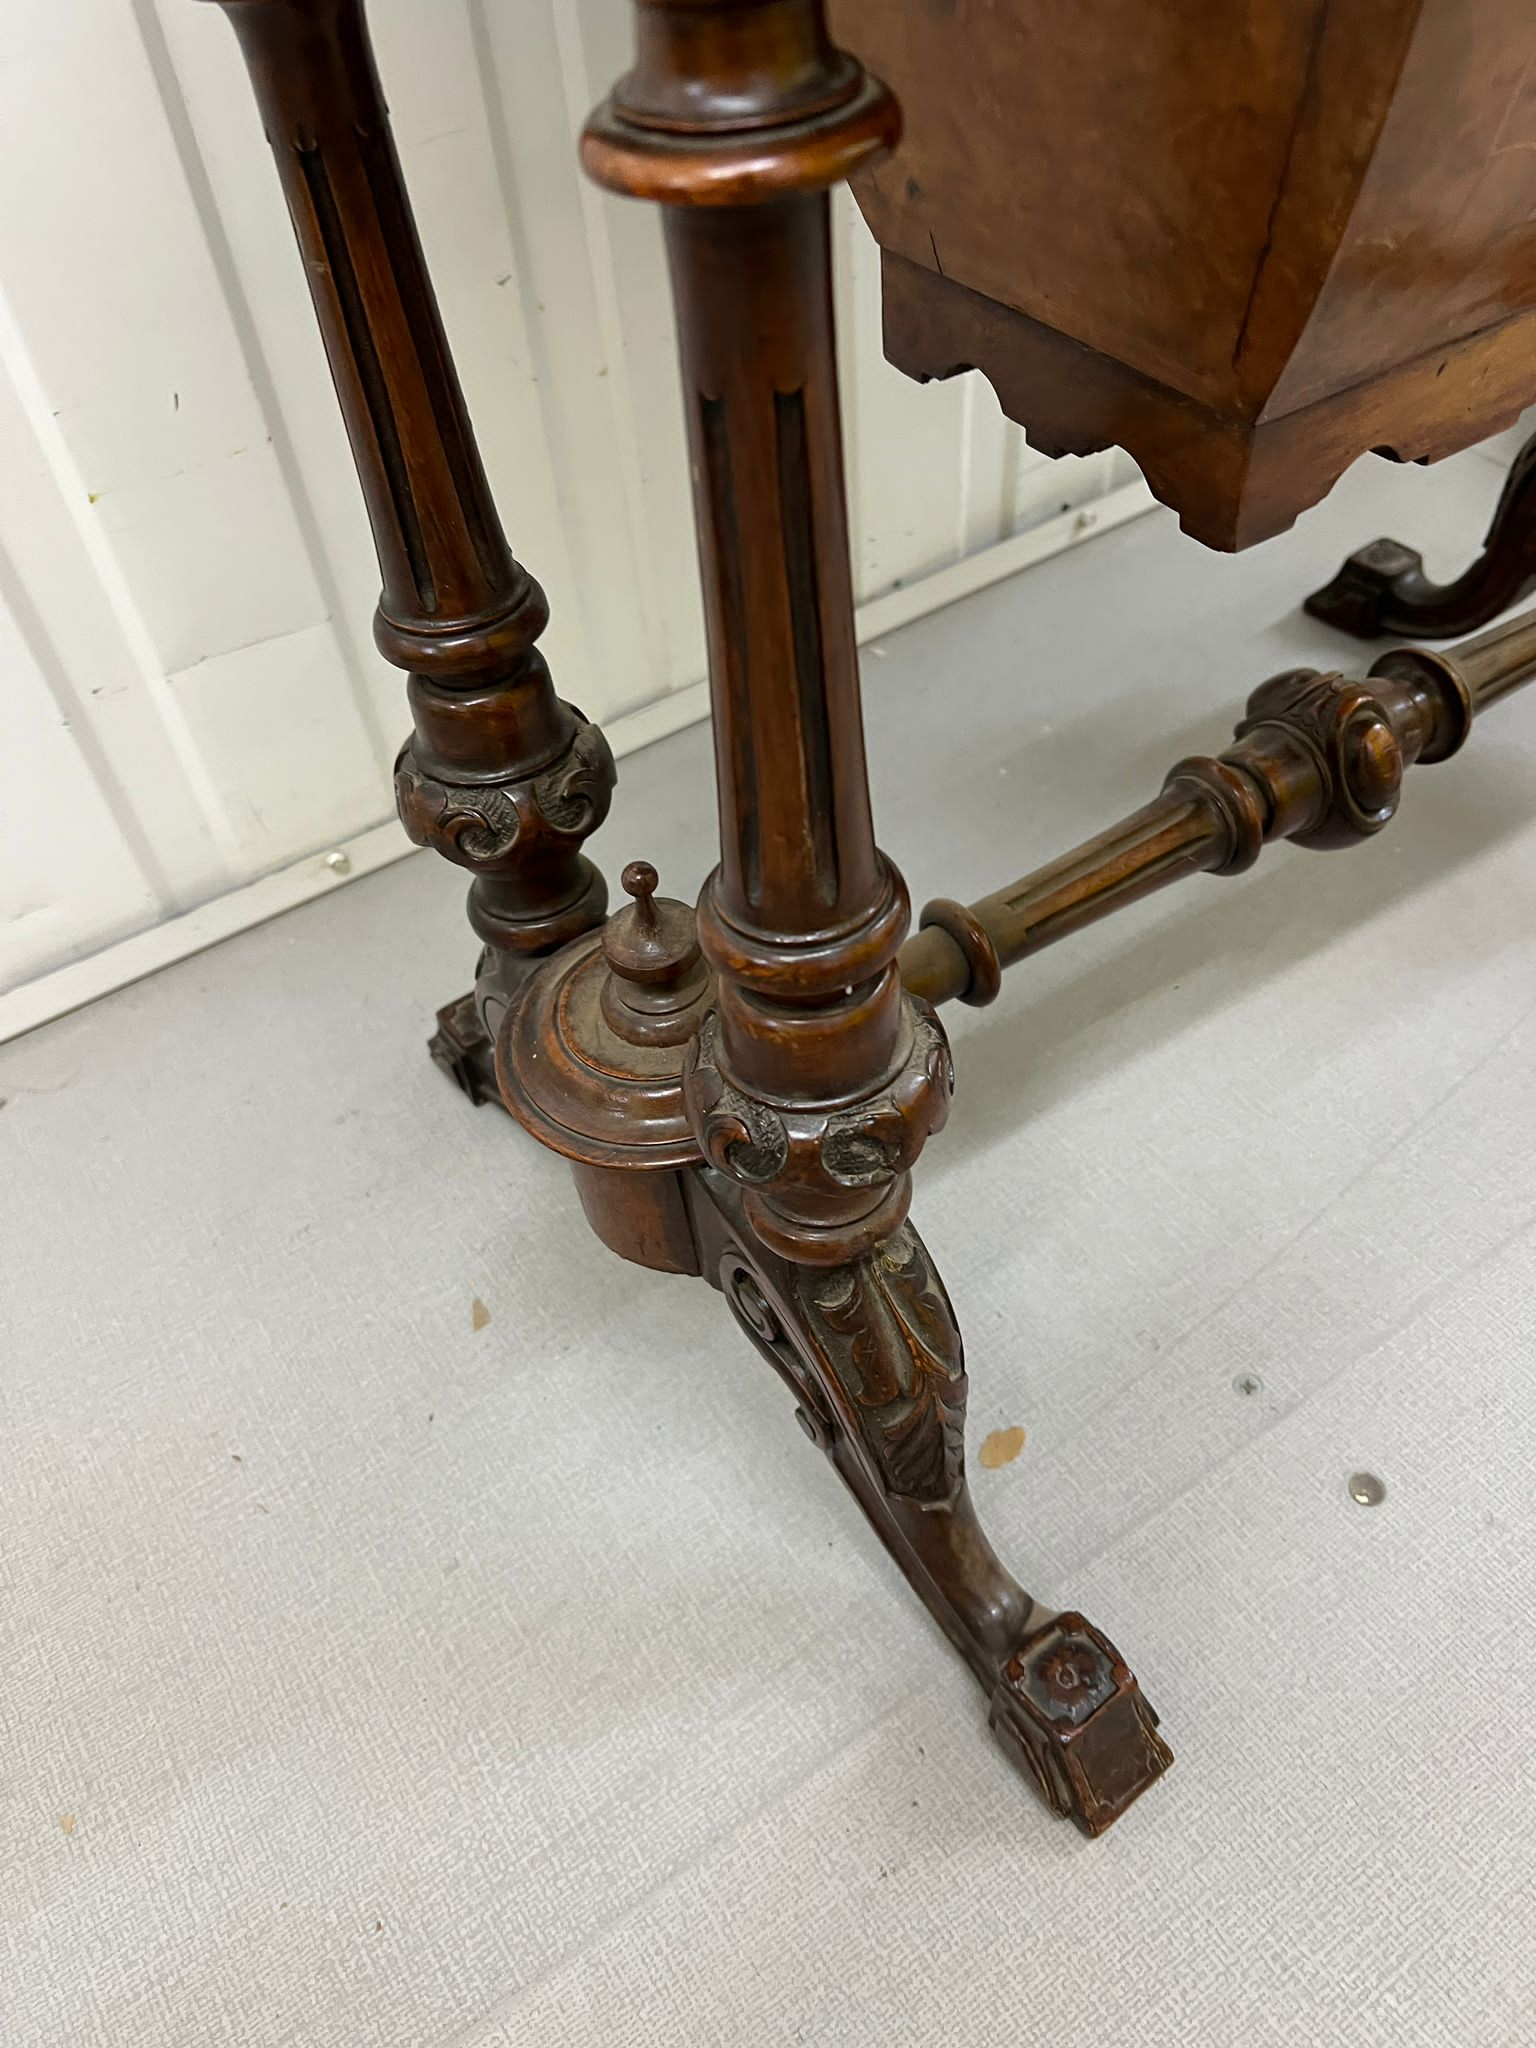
x=1247 y=243
x=743 y=1090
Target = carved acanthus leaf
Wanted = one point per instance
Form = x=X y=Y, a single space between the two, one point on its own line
x=747 y=1140
x=876 y=1140
x=573 y=795
x=475 y=823
x=884 y=1328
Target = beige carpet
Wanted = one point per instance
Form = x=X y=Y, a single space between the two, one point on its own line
x=371 y=1678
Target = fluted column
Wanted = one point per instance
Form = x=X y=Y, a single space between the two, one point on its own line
x=500 y=776
x=816 y=1082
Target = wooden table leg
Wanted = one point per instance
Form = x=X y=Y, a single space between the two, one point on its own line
x=815 y=1081
x=1382 y=588
x=499 y=775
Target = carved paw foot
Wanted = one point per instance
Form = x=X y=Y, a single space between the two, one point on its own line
x=1382 y=588
x=1370 y=590
x=462 y=1048
x=1068 y=1709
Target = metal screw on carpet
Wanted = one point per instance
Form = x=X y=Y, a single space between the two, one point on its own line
x=1366 y=1490
x=1247 y=1383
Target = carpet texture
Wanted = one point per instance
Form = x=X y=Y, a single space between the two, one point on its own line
x=379 y=1674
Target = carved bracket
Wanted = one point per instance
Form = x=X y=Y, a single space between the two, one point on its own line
x=475 y=824
x=885 y=1332
x=872 y=1353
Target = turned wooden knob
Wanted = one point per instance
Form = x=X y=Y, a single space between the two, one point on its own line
x=658 y=984
x=639 y=880
x=652 y=943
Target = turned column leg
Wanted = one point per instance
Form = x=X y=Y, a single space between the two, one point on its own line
x=1382 y=588
x=814 y=1081
x=499 y=775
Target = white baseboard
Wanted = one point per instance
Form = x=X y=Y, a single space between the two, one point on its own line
x=128 y=960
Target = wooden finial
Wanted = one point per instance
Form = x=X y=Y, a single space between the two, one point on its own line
x=639 y=880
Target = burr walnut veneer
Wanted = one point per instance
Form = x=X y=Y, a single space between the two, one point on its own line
x=1246 y=243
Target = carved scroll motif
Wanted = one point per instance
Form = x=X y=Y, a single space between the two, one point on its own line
x=574 y=794
x=472 y=823
x=877 y=1139
x=745 y=1139
x=478 y=824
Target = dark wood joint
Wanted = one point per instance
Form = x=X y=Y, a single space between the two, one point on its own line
x=960 y=924
x=1325 y=754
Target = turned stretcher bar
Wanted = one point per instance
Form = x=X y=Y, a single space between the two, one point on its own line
x=1319 y=759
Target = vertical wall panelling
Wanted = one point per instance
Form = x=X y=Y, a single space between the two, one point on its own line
x=186 y=579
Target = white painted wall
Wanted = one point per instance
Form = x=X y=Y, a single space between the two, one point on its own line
x=191 y=697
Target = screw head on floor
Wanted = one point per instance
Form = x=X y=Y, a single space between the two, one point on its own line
x=1366 y=1490
x=1248 y=1383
